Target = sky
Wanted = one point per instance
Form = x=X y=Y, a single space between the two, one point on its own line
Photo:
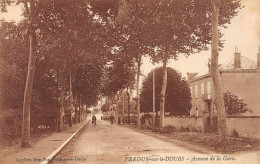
x=243 y=32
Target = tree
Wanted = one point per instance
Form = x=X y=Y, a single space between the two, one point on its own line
x=30 y=14
x=31 y=11
x=66 y=18
x=160 y=30
x=105 y=107
x=222 y=127
x=234 y=105
x=13 y=51
x=177 y=95
x=118 y=76
x=13 y=56
x=217 y=9
x=129 y=24
x=126 y=34
x=76 y=44
x=178 y=27
x=62 y=29
x=125 y=25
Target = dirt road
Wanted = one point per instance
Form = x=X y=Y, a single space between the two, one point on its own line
x=113 y=144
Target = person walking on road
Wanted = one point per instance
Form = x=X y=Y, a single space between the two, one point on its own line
x=94 y=119
x=111 y=119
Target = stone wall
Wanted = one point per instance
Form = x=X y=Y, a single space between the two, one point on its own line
x=246 y=88
x=246 y=126
x=193 y=123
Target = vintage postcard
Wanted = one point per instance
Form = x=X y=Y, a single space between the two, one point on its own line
x=129 y=82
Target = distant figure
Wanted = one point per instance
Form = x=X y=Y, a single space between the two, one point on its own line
x=94 y=119
x=119 y=120
x=111 y=119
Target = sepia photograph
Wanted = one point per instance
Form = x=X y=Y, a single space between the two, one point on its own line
x=129 y=82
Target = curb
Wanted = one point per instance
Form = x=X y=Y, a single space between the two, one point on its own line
x=50 y=158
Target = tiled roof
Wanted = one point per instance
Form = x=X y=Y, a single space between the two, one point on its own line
x=246 y=63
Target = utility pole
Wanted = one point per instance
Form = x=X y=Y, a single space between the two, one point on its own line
x=154 y=98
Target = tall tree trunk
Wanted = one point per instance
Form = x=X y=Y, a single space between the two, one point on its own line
x=58 y=112
x=28 y=91
x=154 y=98
x=128 y=105
x=137 y=91
x=162 y=100
x=71 y=102
x=80 y=109
x=117 y=99
x=84 y=114
x=222 y=127
x=76 y=108
x=62 y=97
x=123 y=112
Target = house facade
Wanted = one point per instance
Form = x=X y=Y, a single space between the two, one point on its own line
x=240 y=77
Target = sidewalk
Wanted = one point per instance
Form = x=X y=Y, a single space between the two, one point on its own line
x=43 y=148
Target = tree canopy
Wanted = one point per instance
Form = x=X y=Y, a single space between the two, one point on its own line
x=177 y=96
x=234 y=105
x=98 y=43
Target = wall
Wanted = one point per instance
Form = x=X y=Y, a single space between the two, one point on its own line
x=245 y=86
x=245 y=126
x=184 y=122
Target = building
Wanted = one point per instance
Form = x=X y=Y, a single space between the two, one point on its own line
x=240 y=77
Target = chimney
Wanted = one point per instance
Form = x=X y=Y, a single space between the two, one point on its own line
x=237 y=59
x=258 y=58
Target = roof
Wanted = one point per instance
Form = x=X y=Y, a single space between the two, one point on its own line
x=247 y=65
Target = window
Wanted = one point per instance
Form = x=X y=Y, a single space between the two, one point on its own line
x=209 y=87
x=191 y=92
x=202 y=89
x=196 y=91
